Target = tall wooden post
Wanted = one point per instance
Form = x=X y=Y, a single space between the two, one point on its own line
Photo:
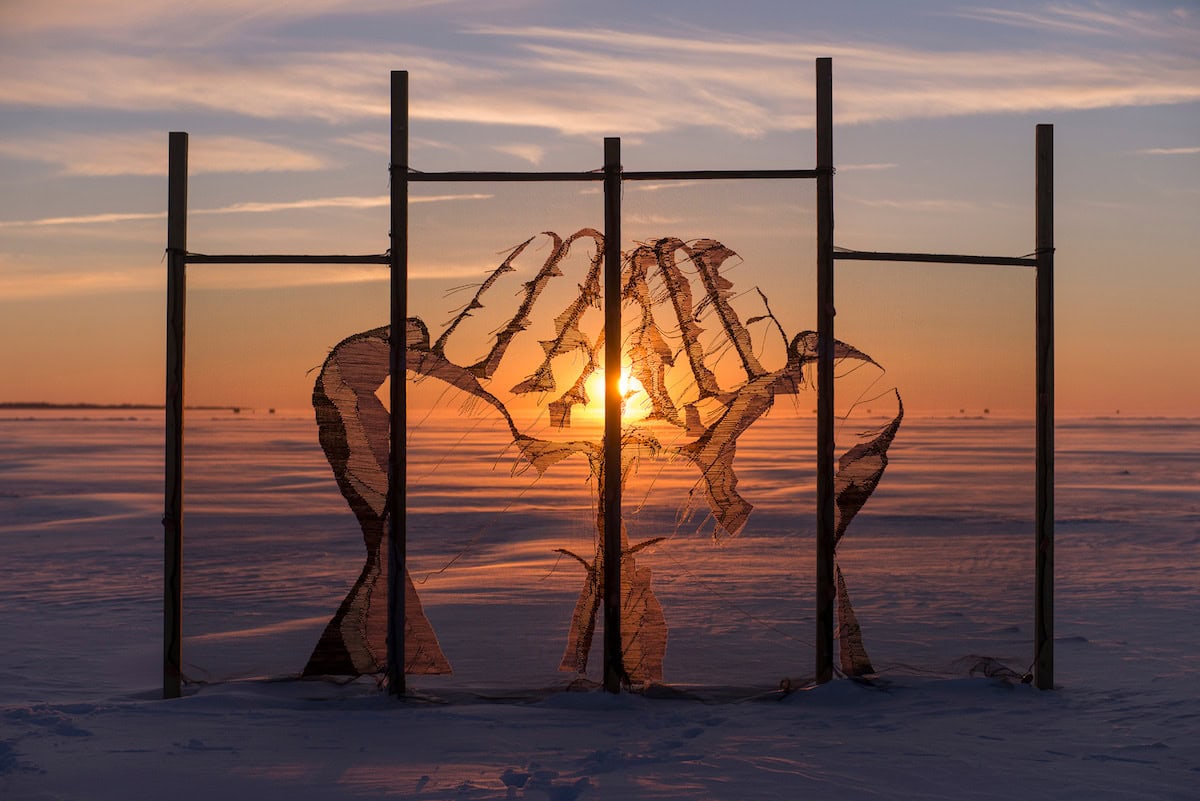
x=177 y=178
x=826 y=589
x=1043 y=643
x=398 y=395
x=614 y=663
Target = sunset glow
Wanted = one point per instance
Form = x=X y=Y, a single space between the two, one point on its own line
x=629 y=387
x=933 y=148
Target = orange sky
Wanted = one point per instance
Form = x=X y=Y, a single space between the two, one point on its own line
x=934 y=107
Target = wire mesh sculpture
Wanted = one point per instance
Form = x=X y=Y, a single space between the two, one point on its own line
x=675 y=290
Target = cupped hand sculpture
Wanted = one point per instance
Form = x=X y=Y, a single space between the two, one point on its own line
x=680 y=321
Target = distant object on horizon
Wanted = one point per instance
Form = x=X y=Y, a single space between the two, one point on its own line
x=34 y=405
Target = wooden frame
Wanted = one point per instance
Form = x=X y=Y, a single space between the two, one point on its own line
x=612 y=177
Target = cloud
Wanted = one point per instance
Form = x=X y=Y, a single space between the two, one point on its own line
x=321 y=86
x=145 y=153
x=210 y=18
x=653 y=219
x=371 y=142
x=85 y=219
x=593 y=81
x=527 y=152
x=20 y=279
x=758 y=85
x=915 y=204
x=1170 y=151
x=249 y=207
x=348 y=202
x=381 y=143
x=865 y=167
x=260 y=207
x=22 y=283
x=1096 y=20
x=641 y=186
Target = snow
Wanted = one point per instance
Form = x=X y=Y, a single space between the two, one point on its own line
x=938 y=565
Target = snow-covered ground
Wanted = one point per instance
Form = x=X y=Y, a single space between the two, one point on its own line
x=939 y=566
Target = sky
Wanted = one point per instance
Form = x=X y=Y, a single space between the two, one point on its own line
x=286 y=104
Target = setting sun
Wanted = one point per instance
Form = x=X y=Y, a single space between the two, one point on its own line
x=629 y=386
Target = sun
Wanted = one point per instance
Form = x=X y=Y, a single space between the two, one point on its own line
x=629 y=386
x=628 y=383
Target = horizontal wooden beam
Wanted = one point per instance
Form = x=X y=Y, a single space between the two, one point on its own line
x=939 y=258
x=710 y=175
x=631 y=175
x=485 y=176
x=275 y=258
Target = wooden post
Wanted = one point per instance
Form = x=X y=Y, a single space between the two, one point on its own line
x=1043 y=644
x=177 y=178
x=614 y=663
x=398 y=396
x=826 y=589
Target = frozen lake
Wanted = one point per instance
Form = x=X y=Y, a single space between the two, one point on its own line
x=939 y=566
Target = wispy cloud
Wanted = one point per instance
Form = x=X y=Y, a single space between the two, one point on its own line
x=259 y=207
x=145 y=153
x=347 y=202
x=658 y=187
x=85 y=219
x=590 y=81
x=865 y=167
x=526 y=152
x=371 y=142
x=22 y=278
x=915 y=204
x=1170 y=151
x=314 y=86
x=653 y=219
x=1098 y=19
x=380 y=143
x=19 y=283
x=250 y=207
x=122 y=17
x=763 y=84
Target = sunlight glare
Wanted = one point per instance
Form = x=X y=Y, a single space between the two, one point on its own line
x=629 y=387
x=628 y=384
